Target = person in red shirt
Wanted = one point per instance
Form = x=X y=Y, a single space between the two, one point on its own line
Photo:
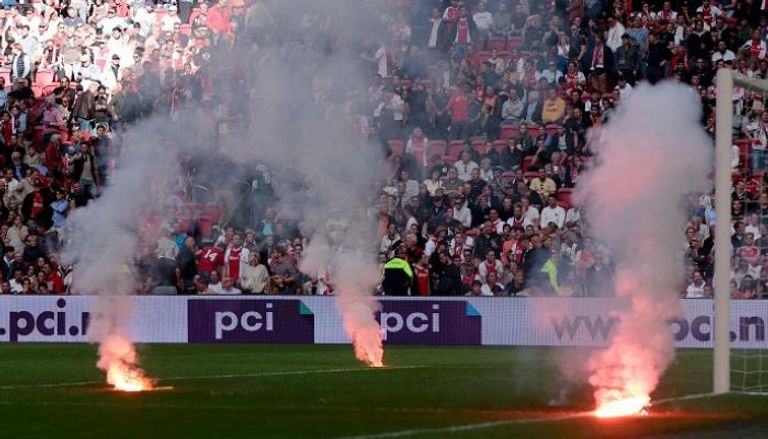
x=210 y=258
x=421 y=276
x=235 y=255
x=749 y=250
x=458 y=108
x=52 y=277
x=218 y=18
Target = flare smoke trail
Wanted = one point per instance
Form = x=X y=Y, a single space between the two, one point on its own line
x=325 y=171
x=103 y=242
x=651 y=154
x=300 y=125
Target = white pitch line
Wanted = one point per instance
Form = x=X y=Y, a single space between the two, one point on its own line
x=49 y=385
x=702 y=395
x=215 y=377
x=490 y=424
x=682 y=398
x=467 y=427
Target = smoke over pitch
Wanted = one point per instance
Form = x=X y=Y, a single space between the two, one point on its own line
x=651 y=154
x=300 y=125
x=103 y=243
x=285 y=88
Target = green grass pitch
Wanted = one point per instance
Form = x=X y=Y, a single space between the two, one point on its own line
x=260 y=391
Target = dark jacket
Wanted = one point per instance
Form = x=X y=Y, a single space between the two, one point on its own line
x=78 y=166
x=85 y=105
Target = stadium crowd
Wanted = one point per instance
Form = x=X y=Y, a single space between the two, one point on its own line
x=485 y=112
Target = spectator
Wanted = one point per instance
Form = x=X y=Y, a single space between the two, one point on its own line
x=254 y=277
x=695 y=289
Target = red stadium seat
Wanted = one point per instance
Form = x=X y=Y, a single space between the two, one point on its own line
x=48 y=89
x=185 y=29
x=5 y=73
x=454 y=151
x=45 y=76
x=499 y=145
x=37 y=89
x=551 y=128
x=530 y=175
x=436 y=147
x=478 y=146
x=514 y=43
x=479 y=58
x=497 y=43
x=509 y=131
x=564 y=197
x=397 y=147
x=534 y=131
x=527 y=163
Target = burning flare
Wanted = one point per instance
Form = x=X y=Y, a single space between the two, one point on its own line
x=117 y=356
x=622 y=406
x=363 y=330
x=368 y=347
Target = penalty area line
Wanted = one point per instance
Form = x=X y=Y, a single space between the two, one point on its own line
x=216 y=377
x=467 y=427
x=701 y=396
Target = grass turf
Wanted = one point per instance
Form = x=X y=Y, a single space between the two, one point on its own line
x=250 y=391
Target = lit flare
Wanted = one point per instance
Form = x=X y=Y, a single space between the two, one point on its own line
x=126 y=378
x=629 y=406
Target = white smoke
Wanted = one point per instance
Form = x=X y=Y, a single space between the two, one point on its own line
x=652 y=153
x=104 y=240
x=327 y=171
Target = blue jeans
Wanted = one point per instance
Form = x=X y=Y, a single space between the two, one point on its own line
x=759 y=159
x=461 y=51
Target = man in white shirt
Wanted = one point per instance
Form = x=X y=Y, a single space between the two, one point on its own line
x=708 y=12
x=228 y=287
x=490 y=264
x=722 y=53
x=169 y=20
x=17 y=282
x=615 y=31
x=552 y=214
x=490 y=282
x=215 y=282
x=111 y=21
x=461 y=212
x=666 y=13
x=389 y=238
x=530 y=213
x=465 y=166
x=623 y=88
x=483 y=19
x=695 y=289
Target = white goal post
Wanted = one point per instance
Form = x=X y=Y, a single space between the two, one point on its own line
x=726 y=79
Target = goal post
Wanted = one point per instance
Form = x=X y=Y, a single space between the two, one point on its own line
x=723 y=141
x=725 y=81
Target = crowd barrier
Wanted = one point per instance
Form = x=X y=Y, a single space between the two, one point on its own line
x=308 y=319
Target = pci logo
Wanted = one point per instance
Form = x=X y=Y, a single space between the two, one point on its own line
x=38 y=322
x=430 y=322
x=249 y=321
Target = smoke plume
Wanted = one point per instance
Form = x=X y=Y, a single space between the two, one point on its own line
x=284 y=92
x=104 y=240
x=650 y=155
x=301 y=108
